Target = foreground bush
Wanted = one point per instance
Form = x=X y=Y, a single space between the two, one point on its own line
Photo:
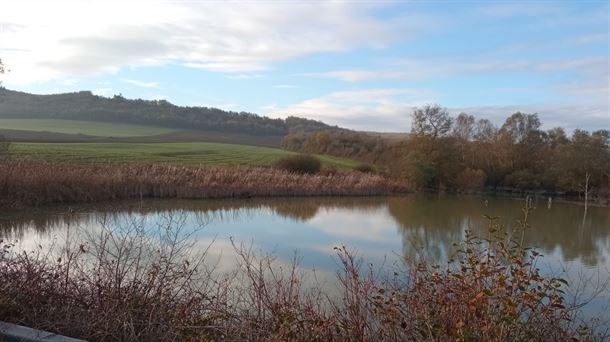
x=28 y=183
x=132 y=285
x=365 y=168
x=302 y=163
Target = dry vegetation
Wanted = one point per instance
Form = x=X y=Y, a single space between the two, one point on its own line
x=129 y=284
x=301 y=163
x=466 y=154
x=29 y=183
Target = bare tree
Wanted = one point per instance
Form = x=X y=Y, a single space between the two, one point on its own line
x=431 y=120
x=464 y=127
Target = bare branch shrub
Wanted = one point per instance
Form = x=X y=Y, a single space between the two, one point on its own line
x=134 y=283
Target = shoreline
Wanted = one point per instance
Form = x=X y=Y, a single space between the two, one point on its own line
x=540 y=195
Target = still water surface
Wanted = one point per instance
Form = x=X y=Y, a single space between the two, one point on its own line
x=381 y=230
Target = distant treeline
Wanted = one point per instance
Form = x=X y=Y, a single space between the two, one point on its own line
x=86 y=106
x=466 y=154
x=349 y=144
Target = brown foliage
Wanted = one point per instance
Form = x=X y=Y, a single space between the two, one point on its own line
x=354 y=145
x=30 y=183
x=471 y=180
x=517 y=156
x=302 y=163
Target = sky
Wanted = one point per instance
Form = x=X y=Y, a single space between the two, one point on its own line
x=359 y=64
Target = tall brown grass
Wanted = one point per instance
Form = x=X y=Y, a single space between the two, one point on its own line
x=30 y=183
x=128 y=284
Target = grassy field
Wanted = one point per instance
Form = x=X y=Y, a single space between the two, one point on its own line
x=93 y=128
x=199 y=153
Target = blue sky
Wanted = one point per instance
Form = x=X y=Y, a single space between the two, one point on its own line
x=358 y=64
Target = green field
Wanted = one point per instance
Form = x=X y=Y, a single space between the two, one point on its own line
x=199 y=153
x=92 y=128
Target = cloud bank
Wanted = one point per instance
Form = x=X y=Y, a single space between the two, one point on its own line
x=48 y=40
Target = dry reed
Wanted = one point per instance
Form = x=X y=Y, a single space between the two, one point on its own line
x=31 y=183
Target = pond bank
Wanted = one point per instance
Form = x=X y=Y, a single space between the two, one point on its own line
x=34 y=183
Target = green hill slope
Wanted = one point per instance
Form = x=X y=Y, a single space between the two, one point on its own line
x=86 y=106
x=181 y=153
x=91 y=128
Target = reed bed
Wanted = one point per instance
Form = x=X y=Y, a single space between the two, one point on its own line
x=33 y=183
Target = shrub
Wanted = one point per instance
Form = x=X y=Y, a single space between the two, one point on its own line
x=365 y=168
x=522 y=179
x=124 y=284
x=471 y=180
x=491 y=290
x=302 y=163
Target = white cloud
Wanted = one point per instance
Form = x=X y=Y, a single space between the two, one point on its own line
x=48 y=40
x=69 y=82
x=245 y=76
x=142 y=83
x=272 y=107
x=227 y=106
x=517 y=8
x=389 y=110
x=103 y=91
x=371 y=225
x=584 y=115
x=159 y=97
x=411 y=69
x=362 y=75
x=371 y=109
x=544 y=45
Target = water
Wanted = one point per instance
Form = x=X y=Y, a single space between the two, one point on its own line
x=381 y=230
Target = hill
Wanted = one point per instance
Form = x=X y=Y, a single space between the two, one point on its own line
x=85 y=106
x=200 y=153
x=83 y=117
x=94 y=129
x=73 y=131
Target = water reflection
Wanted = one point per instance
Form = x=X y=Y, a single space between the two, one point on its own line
x=434 y=223
x=427 y=225
x=380 y=229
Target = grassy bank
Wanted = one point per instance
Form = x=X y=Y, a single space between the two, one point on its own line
x=199 y=153
x=92 y=128
x=128 y=284
x=33 y=183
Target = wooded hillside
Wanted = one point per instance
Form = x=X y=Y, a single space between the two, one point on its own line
x=84 y=105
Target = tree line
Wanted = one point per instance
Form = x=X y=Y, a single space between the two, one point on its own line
x=86 y=106
x=469 y=154
x=349 y=144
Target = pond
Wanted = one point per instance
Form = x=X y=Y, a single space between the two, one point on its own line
x=380 y=230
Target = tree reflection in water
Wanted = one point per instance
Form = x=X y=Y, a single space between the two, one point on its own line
x=429 y=225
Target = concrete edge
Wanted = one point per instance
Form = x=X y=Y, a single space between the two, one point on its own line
x=13 y=333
